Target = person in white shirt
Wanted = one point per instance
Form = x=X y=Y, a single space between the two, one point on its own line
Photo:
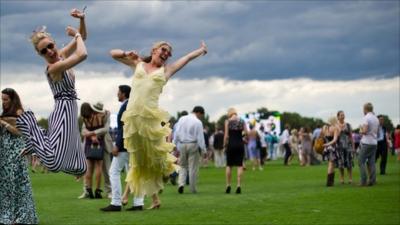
x=285 y=141
x=189 y=138
x=368 y=146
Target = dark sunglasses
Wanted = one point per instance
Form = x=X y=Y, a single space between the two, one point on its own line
x=163 y=49
x=49 y=46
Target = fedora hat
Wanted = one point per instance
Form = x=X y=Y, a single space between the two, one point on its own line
x=98 y=107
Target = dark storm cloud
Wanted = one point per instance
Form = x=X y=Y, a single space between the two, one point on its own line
x=247 y=40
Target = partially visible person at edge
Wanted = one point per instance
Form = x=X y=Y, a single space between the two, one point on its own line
x=368 y=146
x=331 y=135
x=383 y=145
x=144 y=136
x=16 y=201
x=234 y=145
x=396 y=141
x=95 y=132
x=60 y=148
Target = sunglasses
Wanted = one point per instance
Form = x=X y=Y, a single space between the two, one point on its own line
x=49 y=46
x=164 y=49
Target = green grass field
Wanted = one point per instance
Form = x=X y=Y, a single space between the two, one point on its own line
x=277 y=195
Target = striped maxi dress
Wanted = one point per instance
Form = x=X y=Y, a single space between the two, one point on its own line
x=59 y=148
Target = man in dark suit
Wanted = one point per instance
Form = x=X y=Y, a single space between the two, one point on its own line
x=120 y=160
x=383 y=143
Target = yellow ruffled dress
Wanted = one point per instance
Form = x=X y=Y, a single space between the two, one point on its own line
x=144 y=137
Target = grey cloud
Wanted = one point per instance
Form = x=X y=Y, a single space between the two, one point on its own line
x=247 y=40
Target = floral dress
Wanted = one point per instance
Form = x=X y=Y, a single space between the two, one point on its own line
x=16 y=200
x=345 y=157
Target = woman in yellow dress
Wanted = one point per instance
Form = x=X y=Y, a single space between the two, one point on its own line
x=145 y=125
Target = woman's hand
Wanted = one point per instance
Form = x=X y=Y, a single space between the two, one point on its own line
x=94 y=139
x=203 y=47
x=71 y=31
x=77 y=14
x=132 y=55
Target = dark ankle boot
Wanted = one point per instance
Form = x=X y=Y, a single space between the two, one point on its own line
x=90 y=192
x=97 y=193
x=238 y=190
x=228 y=190
x=330 y=179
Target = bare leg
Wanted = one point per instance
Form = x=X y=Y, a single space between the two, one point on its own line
x=239 y=175
x=350 y=173
x=156 y=202
x=89 y=174
x=228 y=175
x=99 y=168
x=125 y=196
x=331 y=167
x=341 y=178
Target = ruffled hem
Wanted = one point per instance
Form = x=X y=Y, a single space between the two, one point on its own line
x=150 y=159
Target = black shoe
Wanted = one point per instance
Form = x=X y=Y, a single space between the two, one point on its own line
x=111 y=208
x=90 y=192
x=228 y=190
x=135 y=208
x=238 y=190
x=180 y=190
x=97 y=193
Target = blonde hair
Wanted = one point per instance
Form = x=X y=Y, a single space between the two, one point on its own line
x=159 y=44
x=333 y=120
x=156 y=45
x=37 y=37
x=231 y=112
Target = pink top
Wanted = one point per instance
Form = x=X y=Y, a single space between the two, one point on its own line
x=397 y=138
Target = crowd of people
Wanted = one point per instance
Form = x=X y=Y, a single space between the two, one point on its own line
x=145 y=146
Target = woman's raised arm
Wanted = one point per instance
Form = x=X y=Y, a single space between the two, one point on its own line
x=177 y=65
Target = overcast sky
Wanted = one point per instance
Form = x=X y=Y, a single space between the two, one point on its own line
x=303 y=44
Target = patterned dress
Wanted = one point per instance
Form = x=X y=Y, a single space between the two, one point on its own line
x=16 y=200
x=235 y=148
x=145 y=136
x=345 y=157
x=59 y=148
x=331 y=152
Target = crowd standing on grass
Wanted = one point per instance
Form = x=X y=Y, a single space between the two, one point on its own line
x=144 y=142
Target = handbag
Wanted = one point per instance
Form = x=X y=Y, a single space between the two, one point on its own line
x=94 y=151
x=319 y=145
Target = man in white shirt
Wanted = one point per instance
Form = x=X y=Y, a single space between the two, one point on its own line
x=189 y=138
x=285 y=142
x=368 y=145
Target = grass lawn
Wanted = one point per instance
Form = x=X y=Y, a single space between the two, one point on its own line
x=277 y=195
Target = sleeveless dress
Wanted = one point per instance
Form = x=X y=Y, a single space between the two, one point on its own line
x=235 y=148
x=345 y=158
x=16 y=200
x=59 y=148
x=330 y=152
x=145 y=136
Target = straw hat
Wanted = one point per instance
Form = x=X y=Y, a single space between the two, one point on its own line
x=98 y=107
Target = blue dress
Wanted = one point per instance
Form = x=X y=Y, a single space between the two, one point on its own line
x=16 y=200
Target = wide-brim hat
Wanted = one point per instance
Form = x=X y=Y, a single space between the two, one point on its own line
x=98 y=107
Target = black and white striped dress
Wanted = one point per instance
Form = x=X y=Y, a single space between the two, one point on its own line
x=59 y=148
